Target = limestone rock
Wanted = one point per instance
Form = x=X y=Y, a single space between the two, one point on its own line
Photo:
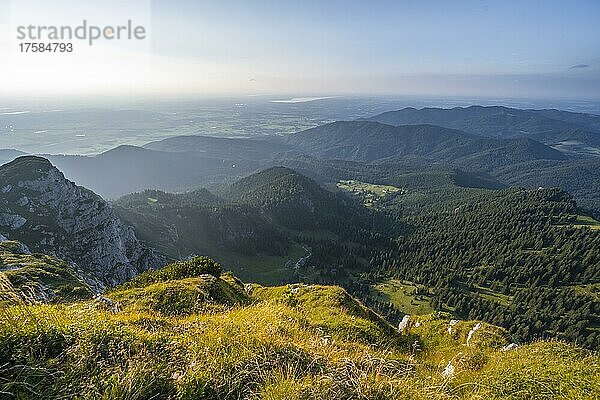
x=53 y=215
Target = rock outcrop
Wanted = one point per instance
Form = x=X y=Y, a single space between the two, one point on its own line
x=52 y=215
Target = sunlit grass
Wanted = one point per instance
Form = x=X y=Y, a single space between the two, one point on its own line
x=404 y=296
x=173 y=335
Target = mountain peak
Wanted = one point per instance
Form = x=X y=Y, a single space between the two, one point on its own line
x=280 y=177
x=26 y=168
x=293 y=199
x=50 y=214
x=29 y=160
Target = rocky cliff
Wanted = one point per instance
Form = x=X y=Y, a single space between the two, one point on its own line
x=52 y=215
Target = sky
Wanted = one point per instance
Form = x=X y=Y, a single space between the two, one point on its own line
x=541 y=49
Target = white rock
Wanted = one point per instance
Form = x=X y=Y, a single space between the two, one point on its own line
x=404 y=323
x=509 y=347
x=472 y=331
x=451 y=325
x=107 y=302
x=448 y=372
x=248 y=288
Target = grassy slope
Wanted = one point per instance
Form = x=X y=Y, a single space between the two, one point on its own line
x=33 y=277
x=403 y=295
x=189 y=332
x=368 y=193
x=585 y=221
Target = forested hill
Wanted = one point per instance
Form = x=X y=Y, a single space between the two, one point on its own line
x=494 y=121
x=525 y=260
x=260 y=226
x=581 y=178
x=372 y=141
x=200 y=223
x=552 y=127
x=292 y=199
x=200 y=197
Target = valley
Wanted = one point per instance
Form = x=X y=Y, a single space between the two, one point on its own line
x=424 y=221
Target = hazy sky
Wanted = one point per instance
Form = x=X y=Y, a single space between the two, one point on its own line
x=484 y=48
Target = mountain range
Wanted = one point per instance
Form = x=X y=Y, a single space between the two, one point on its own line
x=461 y=280
x=375 y=142
x=341 y=203
x=572 y=132
x=500 y=145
